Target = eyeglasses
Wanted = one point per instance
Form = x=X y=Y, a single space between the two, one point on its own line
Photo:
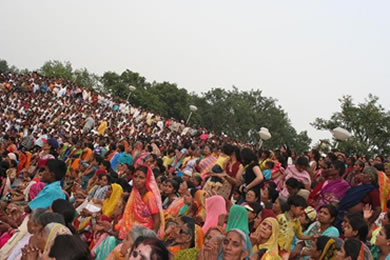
x=182 y=231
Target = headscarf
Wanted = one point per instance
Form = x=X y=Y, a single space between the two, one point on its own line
x=55 y=230
x=131 y=216
x=329 y=251
x=110 y=203
x=215 y=206
x=238 y=219
x=384 y=189
x=199 y=237
x=272 y=244
x=200 y=201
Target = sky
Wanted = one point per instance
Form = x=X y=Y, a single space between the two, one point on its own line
x=306 y=54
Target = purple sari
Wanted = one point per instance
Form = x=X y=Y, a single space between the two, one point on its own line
x=332 y=192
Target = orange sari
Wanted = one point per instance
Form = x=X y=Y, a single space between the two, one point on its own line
x=139 y=210
x=384 y=189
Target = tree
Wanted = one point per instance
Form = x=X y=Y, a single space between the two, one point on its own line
x=241 y=114
x=83 y=78
x=3 y=66
x=368 y=123
x=57 y=69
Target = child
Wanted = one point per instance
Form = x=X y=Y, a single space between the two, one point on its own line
x=223 y=157
x=354 y=226
x=267 y=173
x=215 y=182
x=290 y=225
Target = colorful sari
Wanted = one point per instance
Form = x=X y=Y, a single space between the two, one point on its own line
x=332 y=192
x=384 y=189
x=174 y=209
x=200 y=201
x=352 y=197
x=238 y=219
x=110 y=204
x=139 y=210
x=215 y=206
x=292 y=171
x=271 y=245
x=329 y=251
x=102 y=251
x=205 y=165
x=55 y=230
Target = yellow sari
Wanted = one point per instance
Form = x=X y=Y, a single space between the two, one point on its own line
x=110 y=204
x=102 y=128
x=272 y=244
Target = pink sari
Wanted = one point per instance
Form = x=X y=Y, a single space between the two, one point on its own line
x=290 y=172
x=215 y=206
x=332 y=192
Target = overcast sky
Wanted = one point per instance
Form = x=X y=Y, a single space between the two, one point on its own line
x=306 y=54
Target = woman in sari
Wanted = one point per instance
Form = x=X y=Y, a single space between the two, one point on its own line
x=298 y=171
x=384 y=189
x=215 y=206
x=334 y=187
x=114 y=195
x=144 y=206
x=322 y=227
x=358 y=196
x=208 y=161
x=235 y=246
x=210 y=243
x=324 y=249
x=188 y=235
x=194 y=205
x=238 y=219
x=45 y=239
x=121 y=250
x=266 y=237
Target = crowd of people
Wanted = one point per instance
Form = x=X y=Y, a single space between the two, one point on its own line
x=87 y=176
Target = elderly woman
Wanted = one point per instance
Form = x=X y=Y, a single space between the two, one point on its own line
x=185 y=235
x=41 y=243
x=12 y=249
x=267 y=234
x=209 y=250
x=358 y=196
x=120 y=251
x=235 y=246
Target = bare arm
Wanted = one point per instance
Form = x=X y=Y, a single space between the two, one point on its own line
x=259 y=177
x=156 y=222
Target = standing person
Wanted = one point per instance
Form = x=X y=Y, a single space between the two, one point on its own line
x=54 y=172
x=232 y=174
x=144 y=206
x=253 y=176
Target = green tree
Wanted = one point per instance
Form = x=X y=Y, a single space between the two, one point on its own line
x=83 y=78
x=368 y=123
x=3 y=66
x=57 y=69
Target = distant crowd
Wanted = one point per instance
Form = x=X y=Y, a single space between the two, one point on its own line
x=87 y=176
